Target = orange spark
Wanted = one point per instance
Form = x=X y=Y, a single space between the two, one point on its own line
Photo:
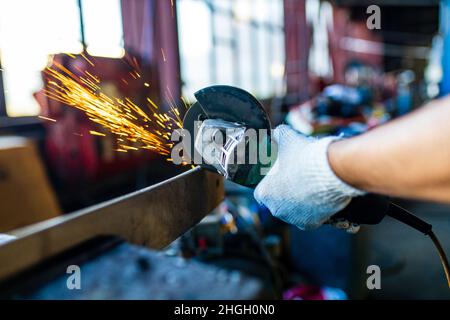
x=163 y=54
x=48 y=119
x=133 y=127
x=95 y=133
x=86 y=58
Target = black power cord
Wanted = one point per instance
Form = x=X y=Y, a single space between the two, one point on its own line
x=372 y=208
x=403 y=215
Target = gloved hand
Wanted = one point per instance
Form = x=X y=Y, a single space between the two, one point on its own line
x=301 y=188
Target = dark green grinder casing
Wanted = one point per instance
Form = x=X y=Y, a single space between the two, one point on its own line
x=236 y=106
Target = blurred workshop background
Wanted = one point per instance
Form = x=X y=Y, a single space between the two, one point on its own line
x=314 y=64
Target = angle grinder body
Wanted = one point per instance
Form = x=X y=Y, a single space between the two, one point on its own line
x=229 y=112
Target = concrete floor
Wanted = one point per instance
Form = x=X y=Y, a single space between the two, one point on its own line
x=410 y=266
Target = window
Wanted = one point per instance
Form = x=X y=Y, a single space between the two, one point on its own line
x=239 y=42
x=103 y=28
x=30 y=31
x=320 y=17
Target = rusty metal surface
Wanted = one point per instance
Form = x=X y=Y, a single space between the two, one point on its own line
x=112 y=269
x=153 y=217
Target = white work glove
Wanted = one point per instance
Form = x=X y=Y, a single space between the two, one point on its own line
x=301 y=188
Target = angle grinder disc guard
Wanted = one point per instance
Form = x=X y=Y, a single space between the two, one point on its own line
x=227 y=103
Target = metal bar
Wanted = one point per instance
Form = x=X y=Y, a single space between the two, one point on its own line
x=3 y=112
x=81 y=18
x=213 y=53
x=153 y=217
x=235 y=48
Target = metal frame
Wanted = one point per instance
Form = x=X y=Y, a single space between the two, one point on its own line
x=153 y=217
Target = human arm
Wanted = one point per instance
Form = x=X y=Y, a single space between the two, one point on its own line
x=313 y=179
x=408 y=157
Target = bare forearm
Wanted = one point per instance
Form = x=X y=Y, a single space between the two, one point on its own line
x=408 y=157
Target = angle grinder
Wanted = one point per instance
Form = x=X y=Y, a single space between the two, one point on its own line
x=226 y=114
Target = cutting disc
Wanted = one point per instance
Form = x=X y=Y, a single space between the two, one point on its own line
x=227 y=103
